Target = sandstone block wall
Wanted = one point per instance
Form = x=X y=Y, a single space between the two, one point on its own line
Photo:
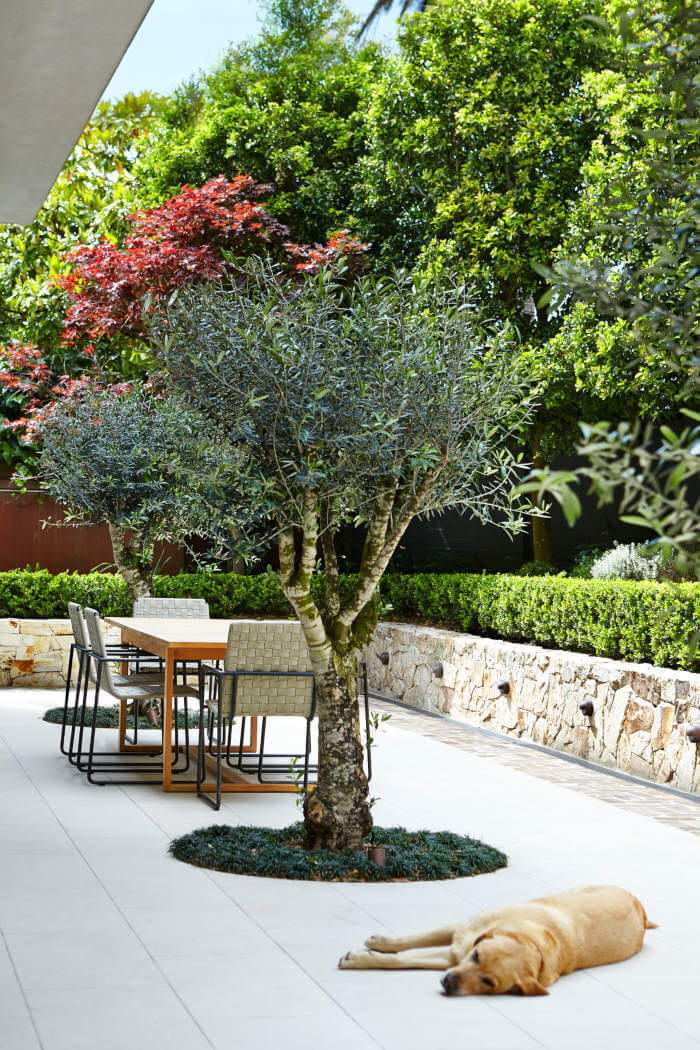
x=640 y=712
x=35 y=652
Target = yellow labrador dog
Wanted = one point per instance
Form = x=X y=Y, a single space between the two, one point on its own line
x=520 y=949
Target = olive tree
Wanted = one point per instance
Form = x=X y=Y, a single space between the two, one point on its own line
x=372 y=403
x=133 y=461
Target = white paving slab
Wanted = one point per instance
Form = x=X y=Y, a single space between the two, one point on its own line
x=108 y=942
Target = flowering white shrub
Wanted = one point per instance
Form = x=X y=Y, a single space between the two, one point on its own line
x=627 y=561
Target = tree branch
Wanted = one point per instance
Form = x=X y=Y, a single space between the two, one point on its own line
x=330 y=560
x=373 y=569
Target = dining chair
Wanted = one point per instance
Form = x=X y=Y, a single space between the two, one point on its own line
x=148 y=686
x=179 y=609
x=266 y=673
x=79 y=654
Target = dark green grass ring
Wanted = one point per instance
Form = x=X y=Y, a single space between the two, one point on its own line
x=108 y=718
x=411 y=856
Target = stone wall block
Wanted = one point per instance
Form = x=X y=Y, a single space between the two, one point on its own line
x=638 y=716
x=580 y=742
x=40 y=680
x=35 y=627
x=662 y=725
x=685 y=772
x=614 y=717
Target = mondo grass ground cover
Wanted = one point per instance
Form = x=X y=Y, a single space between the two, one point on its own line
x=643 y=621
x=108 y=718
x=411 y=856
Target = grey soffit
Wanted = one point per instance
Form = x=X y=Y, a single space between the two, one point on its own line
x=56 y=58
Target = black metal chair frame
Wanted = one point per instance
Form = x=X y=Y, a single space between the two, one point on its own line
x=77 y=755
x=215 y=744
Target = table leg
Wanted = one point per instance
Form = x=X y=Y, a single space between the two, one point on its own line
x=167 y=719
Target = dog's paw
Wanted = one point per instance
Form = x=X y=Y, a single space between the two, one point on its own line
x=379 y=943
x=353 y=961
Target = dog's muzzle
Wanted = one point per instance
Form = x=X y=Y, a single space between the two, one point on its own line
x=450 y=983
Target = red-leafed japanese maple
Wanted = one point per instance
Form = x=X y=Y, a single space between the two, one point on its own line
x=34 y=388
x=194 y=237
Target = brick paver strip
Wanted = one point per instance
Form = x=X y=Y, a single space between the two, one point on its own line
x=649 y=800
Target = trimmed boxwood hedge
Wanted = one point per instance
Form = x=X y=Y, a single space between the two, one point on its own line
x=639 y=621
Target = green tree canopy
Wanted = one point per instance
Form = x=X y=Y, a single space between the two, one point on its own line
x=134 y=460
x=477 y=133
x=282 y=108
x=372 y=403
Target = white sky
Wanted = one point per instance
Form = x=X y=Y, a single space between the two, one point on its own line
x=179 y=37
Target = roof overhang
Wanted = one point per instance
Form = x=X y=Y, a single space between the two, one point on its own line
x=56 y=59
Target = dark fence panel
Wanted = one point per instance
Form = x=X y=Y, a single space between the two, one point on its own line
x=26 y=541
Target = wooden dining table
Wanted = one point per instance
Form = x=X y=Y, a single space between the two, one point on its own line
x=174 y=640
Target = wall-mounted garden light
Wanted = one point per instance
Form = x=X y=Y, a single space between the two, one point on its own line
x=586 y=707
x=438 y=670
x=693 y=733
x=384 y=659
x=503 y=686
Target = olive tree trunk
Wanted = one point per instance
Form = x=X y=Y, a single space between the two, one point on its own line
x=128 y=557
x=336 y=813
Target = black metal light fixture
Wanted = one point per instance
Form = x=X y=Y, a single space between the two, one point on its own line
x=438 y=670
x=503 y=686
x=693 y=733
x=384 y=659
x=586 y=707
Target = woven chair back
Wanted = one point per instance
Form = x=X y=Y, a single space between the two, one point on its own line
x=77 y=622
x=97 y=644
x=268 y=645
x=172 y=608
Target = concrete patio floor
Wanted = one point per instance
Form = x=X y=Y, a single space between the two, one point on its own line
x=109 y=943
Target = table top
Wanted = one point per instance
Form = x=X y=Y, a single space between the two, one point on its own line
x=167 y=632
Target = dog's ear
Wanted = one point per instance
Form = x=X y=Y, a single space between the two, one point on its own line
x=530 y=986
x=482 y=937
x=493 y=932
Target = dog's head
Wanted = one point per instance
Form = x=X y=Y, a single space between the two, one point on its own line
x=500 y=961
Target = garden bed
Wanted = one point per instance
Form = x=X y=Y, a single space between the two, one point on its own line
x=411 y=856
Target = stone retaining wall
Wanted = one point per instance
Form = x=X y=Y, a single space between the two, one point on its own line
x=35 y=652
x=640 y=712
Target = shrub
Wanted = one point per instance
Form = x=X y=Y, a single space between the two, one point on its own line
x=627 y=561
x=624 y=619
x=536 y=568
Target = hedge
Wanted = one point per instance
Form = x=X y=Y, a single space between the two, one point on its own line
x=639 y=621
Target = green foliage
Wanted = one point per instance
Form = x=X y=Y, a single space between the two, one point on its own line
x=413 y=856
x=90 y=199
x=108 y=718
x=134 y=460
x=536 y=568
x=640 y=621
x=369 y=404
x=282 y=108
x=228 y=594
x=634 y=254
x=477 y=133
x=25 y=593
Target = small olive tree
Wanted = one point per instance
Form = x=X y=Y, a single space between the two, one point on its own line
x=373 y=403
x=134 y=461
